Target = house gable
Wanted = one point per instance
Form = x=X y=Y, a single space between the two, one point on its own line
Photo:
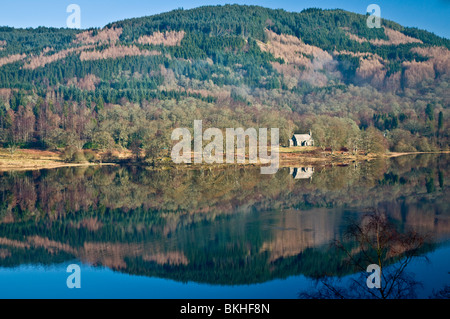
x=301 y=140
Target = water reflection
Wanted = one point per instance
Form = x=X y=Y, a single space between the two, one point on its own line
x=374 y=242
x=228 y=226
x=301 y=172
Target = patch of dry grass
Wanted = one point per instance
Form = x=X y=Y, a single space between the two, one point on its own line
x=28 y=159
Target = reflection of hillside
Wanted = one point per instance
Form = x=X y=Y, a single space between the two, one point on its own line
x=234 y=250
x=107 y=254
x=294 y=232
x=432 y=219
x=224 y=226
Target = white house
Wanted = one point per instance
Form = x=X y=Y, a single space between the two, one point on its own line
x=301 y=140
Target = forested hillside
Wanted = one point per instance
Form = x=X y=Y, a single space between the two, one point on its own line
x=130 y=83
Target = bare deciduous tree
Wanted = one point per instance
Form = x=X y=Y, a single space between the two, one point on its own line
x=374 y=240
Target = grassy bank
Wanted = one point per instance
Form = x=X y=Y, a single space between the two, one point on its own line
x=31 y=159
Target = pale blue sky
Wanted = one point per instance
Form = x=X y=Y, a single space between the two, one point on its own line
x=431 y=15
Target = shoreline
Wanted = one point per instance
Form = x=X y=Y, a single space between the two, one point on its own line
x=397 y=154
x=32 y=159
x=16 y=168
x=315 y=157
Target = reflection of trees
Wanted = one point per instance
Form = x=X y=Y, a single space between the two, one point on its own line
x=139 y=216
x=444 y=293
x=374 y=240
x=53 y=193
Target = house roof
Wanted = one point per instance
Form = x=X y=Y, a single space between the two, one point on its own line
x=302 y=137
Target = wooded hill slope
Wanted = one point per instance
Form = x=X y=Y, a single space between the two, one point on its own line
x=130 y=83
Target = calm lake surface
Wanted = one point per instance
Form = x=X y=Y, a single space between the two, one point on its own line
x=232 y=233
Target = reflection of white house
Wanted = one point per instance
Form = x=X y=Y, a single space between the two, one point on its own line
x=301 y=140
x=301 y=172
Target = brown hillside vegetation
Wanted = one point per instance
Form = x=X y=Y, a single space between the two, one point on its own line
x=12 y=58
x=371 y=68
x=416 y=72
x=438 y=64
x=5 y=94
x=89 y=40
x=293 y=50
x=103 y=36
x=168 y=38
x=42 y=59
x=89 y=82
x=395 y=38
x=217 y=92
x=439 y=56
x=297 y=56
x=115 y=52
